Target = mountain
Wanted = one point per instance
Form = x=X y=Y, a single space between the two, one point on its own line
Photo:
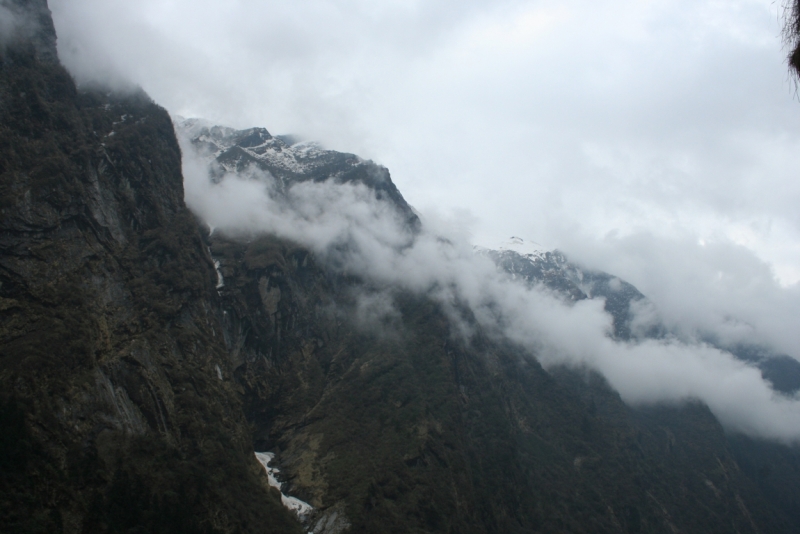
x=286 y=160
x=533 y=266
x=113 y=416
x=423 y=432
x=320 y=418
x=145 y=360
x=557 y=273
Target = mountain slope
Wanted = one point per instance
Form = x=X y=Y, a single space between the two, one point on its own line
x=137 y=380
x=622 y=300
x=113 y=416
x=409 y=429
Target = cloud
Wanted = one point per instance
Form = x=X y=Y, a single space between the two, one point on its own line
x=657 y=141
x=702 y=288
x=375 y=312
x=543 y=119
x=346 y=226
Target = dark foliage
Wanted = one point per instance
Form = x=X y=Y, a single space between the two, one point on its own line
x=791 y=34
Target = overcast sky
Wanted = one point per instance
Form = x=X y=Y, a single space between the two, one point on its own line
x=656 y=139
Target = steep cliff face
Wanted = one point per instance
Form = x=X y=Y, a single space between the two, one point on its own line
x=117 y=407
x=407 y=427
x=135 y=381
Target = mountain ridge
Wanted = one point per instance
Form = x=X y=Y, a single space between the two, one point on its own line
x=228 y=150
x=139 y=378
x=554 y=270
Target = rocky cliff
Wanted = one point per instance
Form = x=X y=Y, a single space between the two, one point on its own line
x=137 y=379
x=115 y=410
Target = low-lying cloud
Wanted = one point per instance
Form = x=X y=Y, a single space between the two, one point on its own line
x=667 y=156
x=703 y=289
x=346 y=225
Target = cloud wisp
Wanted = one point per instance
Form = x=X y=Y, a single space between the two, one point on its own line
x=346 y=225
x=657 y=141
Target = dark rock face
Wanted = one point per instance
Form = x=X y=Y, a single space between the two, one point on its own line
x=774 y=469
x=413 y=429
x=133 y=389
x=114 y=418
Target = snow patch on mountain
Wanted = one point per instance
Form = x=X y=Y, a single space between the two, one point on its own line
x=229 y=147
x=294 y=504
x=522 y=247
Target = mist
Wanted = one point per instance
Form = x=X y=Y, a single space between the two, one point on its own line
x=346 y=226
x=8 y=22
x=702 y=288
x=13 y=22
x=667 y=156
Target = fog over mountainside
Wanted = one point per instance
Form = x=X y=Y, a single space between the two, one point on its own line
x=216 y=330
x=347 y=225
x=676 y=175
x=675 y=140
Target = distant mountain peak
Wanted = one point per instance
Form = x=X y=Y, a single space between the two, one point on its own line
x=286 y=158
x=523 y=247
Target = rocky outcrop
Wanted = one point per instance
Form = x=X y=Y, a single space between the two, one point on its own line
x=142 y=361
x=27 y=23
x=114 y=416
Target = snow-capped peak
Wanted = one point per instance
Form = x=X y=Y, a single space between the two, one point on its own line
x=522 y=246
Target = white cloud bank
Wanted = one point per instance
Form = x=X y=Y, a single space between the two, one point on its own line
x=625 y=133
x=658 y=141
x=327 y=216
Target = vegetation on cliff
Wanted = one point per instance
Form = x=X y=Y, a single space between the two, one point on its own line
x=113 y=417
x=134 y=387
x=413 y=429
x=791 y=34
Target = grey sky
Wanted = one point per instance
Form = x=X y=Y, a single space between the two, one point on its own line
x=657 y=140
